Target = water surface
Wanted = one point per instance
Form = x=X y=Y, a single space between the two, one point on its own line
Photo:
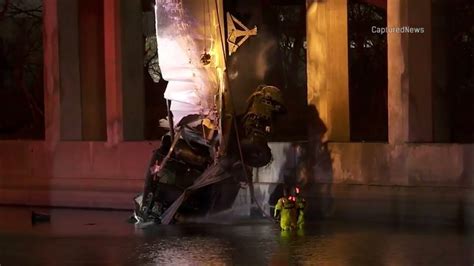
x=86 y=237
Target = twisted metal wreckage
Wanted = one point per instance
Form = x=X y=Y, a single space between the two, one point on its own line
x=209 y=150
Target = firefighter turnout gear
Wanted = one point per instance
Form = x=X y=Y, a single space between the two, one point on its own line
x=300 y=205
x=285 y=209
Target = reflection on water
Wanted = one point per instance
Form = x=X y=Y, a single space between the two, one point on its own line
x=104 y=238
x=184 y=250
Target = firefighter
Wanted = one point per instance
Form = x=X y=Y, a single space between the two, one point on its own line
x=300 y=204
x=285 y=211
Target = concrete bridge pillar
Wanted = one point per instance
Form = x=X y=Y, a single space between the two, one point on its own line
x=113 y=71
x=327 y=67
x=124 y=70
x=100 y=92
x=409 y=72
x=70 y=80
x=92 y=74
x=51 y=68
x=132 y=53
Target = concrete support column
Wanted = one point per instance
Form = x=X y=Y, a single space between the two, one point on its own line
x=70 y=79
x=409 y=72
x=327 y=67
x=113 y=71
x=51 y=70
x=132 y=52
x=91 y=54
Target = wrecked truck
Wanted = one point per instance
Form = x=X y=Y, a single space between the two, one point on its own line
x=210 y=148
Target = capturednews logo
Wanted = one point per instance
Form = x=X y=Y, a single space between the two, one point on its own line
x=406 y=29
